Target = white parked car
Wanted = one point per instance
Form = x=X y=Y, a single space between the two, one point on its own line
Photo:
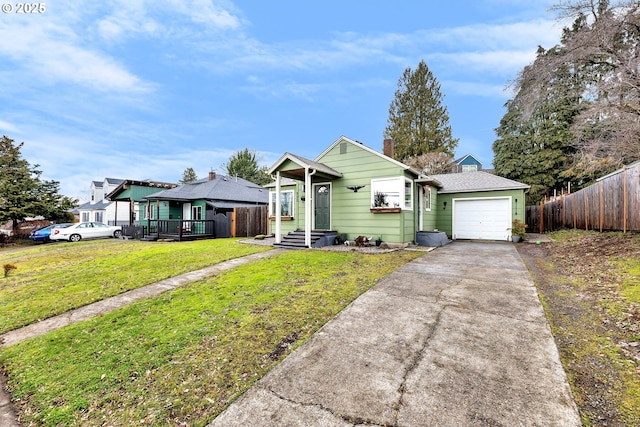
x=85 y=230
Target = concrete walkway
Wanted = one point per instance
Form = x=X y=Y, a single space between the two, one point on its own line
x=455 y=338
x=8 y=415
x=112 y=303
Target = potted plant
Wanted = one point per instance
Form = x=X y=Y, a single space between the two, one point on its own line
x=518 y=230
x=379 y=199
x=379 y=241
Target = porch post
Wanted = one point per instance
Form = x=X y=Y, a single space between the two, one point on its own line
x=278 y=210
x=307 y=208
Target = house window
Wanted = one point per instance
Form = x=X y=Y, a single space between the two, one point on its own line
x=196 y=212
x=394 y=192
x=469 y=168
x=149 y=211
x=85 y=216
x=286 y=203
x=427 y=198
x=408 y=194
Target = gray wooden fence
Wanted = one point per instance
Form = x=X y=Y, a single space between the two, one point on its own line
x=612 y=203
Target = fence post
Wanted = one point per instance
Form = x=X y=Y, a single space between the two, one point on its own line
x=601 y=206
x=541 y=217
x=624 y=200
x=586 y=211
x=233 y=223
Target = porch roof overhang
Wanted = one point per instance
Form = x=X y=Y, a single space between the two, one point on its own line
x=300 y=165
x=221 y=204
x=429 y=181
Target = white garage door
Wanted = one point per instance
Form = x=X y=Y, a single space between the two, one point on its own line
x=487 y=219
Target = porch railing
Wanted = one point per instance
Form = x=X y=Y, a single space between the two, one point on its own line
x=175 y=228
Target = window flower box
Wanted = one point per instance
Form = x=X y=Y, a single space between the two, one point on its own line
x=385 y=210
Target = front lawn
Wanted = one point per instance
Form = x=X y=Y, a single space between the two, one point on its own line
x=589 y=284
x=54 y=278
x=182 y=357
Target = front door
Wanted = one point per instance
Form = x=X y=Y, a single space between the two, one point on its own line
x=322 y=206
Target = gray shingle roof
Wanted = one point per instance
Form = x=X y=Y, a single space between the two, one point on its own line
x=220 y=188
x=467 y=182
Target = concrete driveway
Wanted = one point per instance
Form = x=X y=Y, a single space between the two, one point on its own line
x=455 y=338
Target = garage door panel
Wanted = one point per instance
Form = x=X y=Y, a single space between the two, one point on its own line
x=485 y=219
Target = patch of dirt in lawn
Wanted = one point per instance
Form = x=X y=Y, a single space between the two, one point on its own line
x=597 y=332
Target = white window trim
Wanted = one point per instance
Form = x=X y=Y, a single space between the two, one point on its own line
x=272 y=209
x=196 y=212
x=394 y=186
x=149 y=211
x=469 y=168
x=427 y=198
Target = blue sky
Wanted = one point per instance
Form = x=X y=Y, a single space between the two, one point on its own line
x=145 y=89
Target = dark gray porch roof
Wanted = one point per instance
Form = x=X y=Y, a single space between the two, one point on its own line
x=223 y=204
x=221 y=188
x=468 y=182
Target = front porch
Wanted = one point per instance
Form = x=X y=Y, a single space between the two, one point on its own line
x=297 y=239
x=173 y=229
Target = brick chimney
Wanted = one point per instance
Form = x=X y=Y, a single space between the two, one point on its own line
x=387 y=148
x=212 y=175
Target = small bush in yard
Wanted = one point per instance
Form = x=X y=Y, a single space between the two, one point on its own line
x=7 y=269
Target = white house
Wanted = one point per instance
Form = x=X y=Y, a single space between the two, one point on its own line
x=99 y=209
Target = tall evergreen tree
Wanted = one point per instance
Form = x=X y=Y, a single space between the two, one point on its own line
x=418 y=122
x=535 y=140
x=244 y=164
x=22 y=193
x=189 y=175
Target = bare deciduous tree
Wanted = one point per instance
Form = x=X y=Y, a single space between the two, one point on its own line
x=430 y=163
x=603 y=49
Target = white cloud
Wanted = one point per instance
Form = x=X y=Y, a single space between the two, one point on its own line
x=7 y=127
x=504 y=64
x=48 y=54
x=466 y=88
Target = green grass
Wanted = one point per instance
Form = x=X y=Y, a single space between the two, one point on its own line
x=182 y=357
x=597 y=284
x=54 y=278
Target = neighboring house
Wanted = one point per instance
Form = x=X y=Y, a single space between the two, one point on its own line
x=128 y=195
x=98 y=208
x=468 y=163
x=196 y=204
x=353 y=190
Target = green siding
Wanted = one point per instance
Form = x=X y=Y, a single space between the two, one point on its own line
x=429 y=221
x=136 y=193
x=350 y=211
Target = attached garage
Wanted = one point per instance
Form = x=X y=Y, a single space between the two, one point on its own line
x=482 y=218
x=477 y=205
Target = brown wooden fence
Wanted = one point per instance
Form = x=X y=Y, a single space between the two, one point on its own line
x=612 y=203
x=249 y=221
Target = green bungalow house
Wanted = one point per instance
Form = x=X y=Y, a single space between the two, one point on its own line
x=352 y=190
x=199 y=209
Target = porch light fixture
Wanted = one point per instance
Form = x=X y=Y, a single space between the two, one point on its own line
x=445 y=206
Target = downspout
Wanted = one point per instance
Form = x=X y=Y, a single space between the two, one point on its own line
x=307 y=206
x=278 y=210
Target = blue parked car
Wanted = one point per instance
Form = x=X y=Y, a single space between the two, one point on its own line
x=42 y=234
